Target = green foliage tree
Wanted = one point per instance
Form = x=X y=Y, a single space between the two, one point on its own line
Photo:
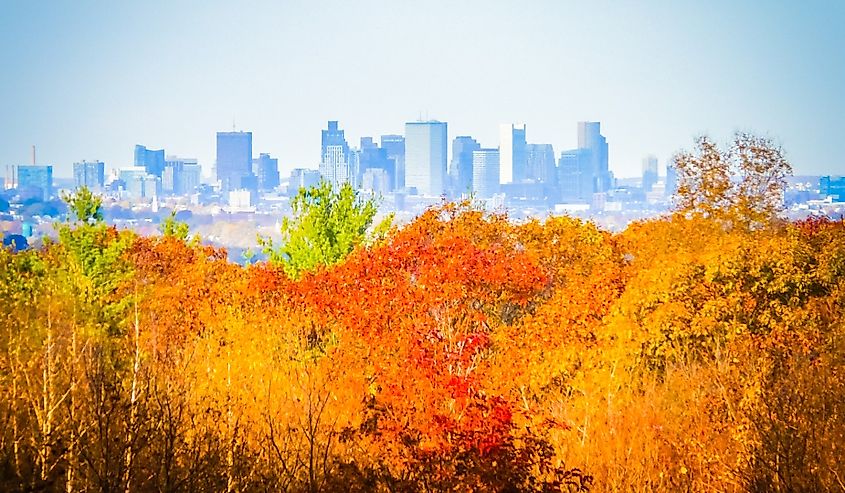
x=86 y=207
x=326 y=226
x=172 y=227
x=742 y=184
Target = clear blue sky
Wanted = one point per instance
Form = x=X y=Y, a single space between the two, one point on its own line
x=89 y=80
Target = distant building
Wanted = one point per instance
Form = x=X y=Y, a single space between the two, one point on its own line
x=649 y=172
x=833 y=187
x=91 y=175
x=138 y=183
x=485 y=172
x=151 y=160
x=671 y=179
x=377 y=181
x=234 y=160
x=512 y=153
x=374 y=157
x=33 y=180
x=540 y=164
x=334 y=156
x=591 y=139
x=266 y=169
x=425 y=157
x=394 y=147
x=181 y=176
x=460 y=169
x=575 y=176
x=303 y=178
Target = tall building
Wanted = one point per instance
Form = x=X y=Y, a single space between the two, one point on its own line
x=91 y=175
x=512 y=153
x=394 y=147
x=575 y=176
x=649 y=172
x=485 y=172
x=671 y=179
x=33 y=180
x=460 y=169
x=139 y=184
x=374 y=157
x=540 y=166
x=181 y=176
x=267 y=171
x=334 y=156
x=425 y=157
x=151 y=160
x=234 y=160
x=591 y=139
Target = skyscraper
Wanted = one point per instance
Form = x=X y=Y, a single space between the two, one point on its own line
x=334 y=156
x=460 y=169
x=485 y=172
x=394 y=146
x=151 y=160
x=671 y=179
x=575 y=176
x=89 y=174
x=540 y=164
x=374 y=157
x=267 y=171
x=512 y=159
x=234 y=160
x=181 y=176
x=649 y=172
x=33 y=180
x=425 y=156
x=590 y=138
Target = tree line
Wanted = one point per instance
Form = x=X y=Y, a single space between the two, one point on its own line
x=700 y=351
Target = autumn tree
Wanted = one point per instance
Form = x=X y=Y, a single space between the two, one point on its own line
x=327 y=224
x=742 y=183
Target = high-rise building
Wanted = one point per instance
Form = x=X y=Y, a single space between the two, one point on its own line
x=181 y=176
x=575 y=176
x=460 y=169
x=234 y=160
x=334 y=156
x=151 y=160
x=267 y=171
x=485 y=172
x=33 y=180
x=540 y=164
x=374 y=157
x=425 y=157
x=139 y=184
x=90 y=174
x=394 y=147
x=590 y=138
x=649 y=172
x=671 y=179
x=512 y=153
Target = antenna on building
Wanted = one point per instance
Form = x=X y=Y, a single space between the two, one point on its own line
x=33 y=154
x=233 y=124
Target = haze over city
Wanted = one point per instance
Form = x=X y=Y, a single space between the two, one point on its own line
x=89 y=80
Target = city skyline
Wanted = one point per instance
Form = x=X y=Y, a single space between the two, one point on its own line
x=692 y=69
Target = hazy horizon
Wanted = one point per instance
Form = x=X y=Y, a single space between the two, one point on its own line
x=89 y=80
